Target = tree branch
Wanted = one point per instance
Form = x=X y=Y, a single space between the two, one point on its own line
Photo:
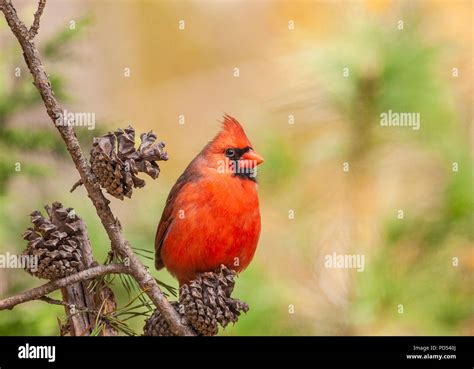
x=39 y=292
x=112 y=226
x=51 y=301
x=36 y=22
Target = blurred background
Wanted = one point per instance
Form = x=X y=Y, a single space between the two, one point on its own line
x=308 y=80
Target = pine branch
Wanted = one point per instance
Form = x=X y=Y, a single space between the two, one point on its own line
x=110 y=223
x=39 y=292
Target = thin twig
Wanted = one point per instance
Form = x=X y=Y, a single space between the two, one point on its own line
x=110 y=223
x=39 y=292
x=76 y=185
x=52 y=301
x=36 y=22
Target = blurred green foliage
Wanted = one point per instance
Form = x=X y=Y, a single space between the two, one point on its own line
x=398 y=70
x=281 y=162
x=18 y=94
x=56 y=47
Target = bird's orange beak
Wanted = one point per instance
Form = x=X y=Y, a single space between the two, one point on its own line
x=250 y=159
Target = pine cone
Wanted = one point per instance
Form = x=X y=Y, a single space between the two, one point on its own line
x=204 y=303
x=207 y=301
x=156 y=325
x=116 y=163
x=52 y=242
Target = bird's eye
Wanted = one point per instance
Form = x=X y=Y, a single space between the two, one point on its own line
x=230 y=153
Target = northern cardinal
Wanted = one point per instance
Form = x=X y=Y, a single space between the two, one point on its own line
x=212 y=214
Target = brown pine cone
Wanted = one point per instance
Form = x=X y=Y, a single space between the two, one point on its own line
x=204 y=303
x=207 y=301
x=116 y=162
x=156 y=325
x=52 y=243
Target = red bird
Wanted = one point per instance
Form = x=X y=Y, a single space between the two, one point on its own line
x=212 y=215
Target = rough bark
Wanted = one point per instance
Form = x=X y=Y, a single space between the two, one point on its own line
x=39 y=292
x=80 y=297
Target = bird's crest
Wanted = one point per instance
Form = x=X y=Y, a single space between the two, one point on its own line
x=232 y=134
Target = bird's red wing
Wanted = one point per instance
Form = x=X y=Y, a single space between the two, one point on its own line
x=167 y=217
x=160 y=235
